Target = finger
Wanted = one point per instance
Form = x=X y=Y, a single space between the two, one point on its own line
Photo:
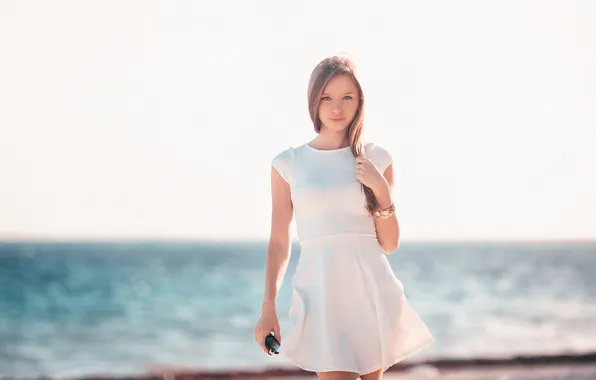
x=260 y=338
x=277 y=333
x=265 y=350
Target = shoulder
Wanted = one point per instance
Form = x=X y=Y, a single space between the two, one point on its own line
x=284 y=155
x=378 y=154
x=282 y=162
x=375 y=148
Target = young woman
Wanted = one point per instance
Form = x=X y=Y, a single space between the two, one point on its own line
x=349 y=315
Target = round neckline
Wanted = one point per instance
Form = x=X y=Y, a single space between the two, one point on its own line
x=327 y=150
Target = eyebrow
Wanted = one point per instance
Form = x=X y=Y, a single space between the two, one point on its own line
x=347 y=93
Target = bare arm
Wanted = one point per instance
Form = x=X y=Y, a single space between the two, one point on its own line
x=278 y=252
x=387 y=229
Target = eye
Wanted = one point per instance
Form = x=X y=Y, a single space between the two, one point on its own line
x=325 y=98
x=348 y=97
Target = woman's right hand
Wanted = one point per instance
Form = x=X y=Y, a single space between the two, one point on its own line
x=267 y=322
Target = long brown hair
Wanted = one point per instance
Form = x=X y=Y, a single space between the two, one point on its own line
x=320 y=76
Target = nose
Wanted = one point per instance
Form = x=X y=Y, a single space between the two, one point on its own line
x=336 y=110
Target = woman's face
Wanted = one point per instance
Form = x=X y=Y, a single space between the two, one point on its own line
x=339 y=103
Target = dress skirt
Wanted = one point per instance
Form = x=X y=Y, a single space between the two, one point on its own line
x=349 y=311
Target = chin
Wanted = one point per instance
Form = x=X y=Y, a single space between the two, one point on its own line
x=336 y=127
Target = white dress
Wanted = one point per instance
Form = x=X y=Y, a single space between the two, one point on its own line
x=349 y=311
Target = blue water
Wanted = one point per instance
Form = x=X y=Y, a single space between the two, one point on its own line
x=72 y=309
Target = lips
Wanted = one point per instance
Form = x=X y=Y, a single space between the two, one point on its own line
x=336 y=120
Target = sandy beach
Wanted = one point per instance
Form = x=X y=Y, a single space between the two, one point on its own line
x=573 y=372
x=505 y=372
x=540 y=367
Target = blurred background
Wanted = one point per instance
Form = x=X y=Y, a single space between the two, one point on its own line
x=135 y=147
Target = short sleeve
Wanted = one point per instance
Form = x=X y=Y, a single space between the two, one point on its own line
x=379 y=156
x=281 y=163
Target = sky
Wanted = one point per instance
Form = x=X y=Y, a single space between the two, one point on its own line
x=159 y=120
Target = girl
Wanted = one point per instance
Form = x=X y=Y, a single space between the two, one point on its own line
x=349 y=314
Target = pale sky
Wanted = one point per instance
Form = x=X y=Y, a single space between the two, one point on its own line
x=147 y=119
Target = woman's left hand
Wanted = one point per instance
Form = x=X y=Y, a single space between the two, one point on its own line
x=368 y=174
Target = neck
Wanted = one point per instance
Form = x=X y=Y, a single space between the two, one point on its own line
x=331 y=140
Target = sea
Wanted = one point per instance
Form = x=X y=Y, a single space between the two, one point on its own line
x=75 y=309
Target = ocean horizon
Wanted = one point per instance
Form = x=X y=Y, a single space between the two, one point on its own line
x=73 y=308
